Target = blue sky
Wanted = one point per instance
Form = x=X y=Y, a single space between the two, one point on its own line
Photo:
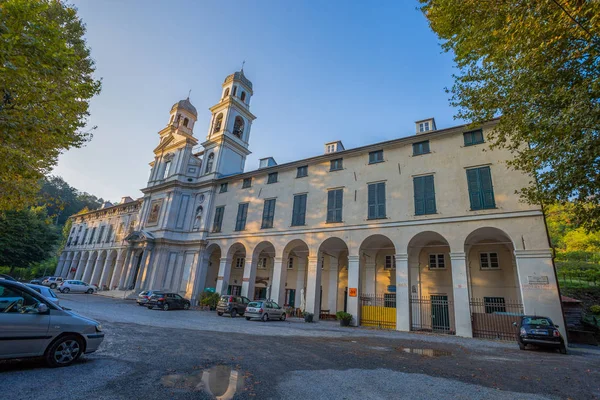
x=322 y=71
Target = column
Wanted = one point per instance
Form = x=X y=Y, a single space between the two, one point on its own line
x=370 y=269
x=66 y=266
x=300 y=282
x=199 y=273
x=59 y=266
x=279 y=277
x=87 y=272
x=249 y=278
x=119 y=266
x=460 y=285
x=223 y=277
x=402 y=293
x=539 y=289
x=105 y=272
x=313 y=287
x=354 y=288
x=98 y=268
x=78 y=268
x=125 y=275
x=147 y=265
x=143 y=259
x=333 y=285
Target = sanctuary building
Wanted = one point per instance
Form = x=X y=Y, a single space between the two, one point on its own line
x=423 y=232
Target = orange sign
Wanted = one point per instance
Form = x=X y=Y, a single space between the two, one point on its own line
x=352 y=292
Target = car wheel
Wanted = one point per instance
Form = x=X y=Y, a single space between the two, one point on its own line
x=90 y=291
x=165 y=307
x=140 y=304
x=264 y=318
x=65 y=290
x=521 y=346
x=562 y=349
x=283 y=317
x=247 y=318
x=64 y=351
x=186 y=306
x=53 y=286
x=233 y=313
x=220 y=314
x=150 y=307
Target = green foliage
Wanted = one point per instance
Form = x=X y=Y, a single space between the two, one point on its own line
x=63 y=200
x=537 y=65
x=595 y=309
x=209 y=299
x=46 y=82
x=343 y=316
x=26 y=237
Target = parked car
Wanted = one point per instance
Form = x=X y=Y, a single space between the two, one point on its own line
x=232 y=305
x=539 y=331
x=45 y=291
x=7 y=277
x=53 y=281
x=76 y=286
x=33 y=326
x=265 y=310
x=145 y=295
x=38 y=281
x=167 y=301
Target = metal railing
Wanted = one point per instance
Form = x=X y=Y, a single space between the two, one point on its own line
x=434 y=313
x=493 y=317
x=378 y=310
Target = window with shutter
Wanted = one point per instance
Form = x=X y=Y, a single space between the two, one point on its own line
x=335 y=199
x=336 y=165
x=299 y=210
x=473 y=137
x=223 y=188
x=421 y=148
x=246 y=183
x=240 y=221
x=272 y=178
x=424 y=195
x=481 y=191
x=268 y=214
x=302 y=171
x=376 y=157
x=218 y=218
x=376 y=200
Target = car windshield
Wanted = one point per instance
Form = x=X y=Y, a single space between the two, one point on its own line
x=157 y=294
x=143 y=293
x=226 y=298
x=255 y=304
x=536 y=321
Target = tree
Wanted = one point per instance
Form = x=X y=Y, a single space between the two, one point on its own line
x=61 y=200
x=46 y=82
x=26 y=237
x=537 y=64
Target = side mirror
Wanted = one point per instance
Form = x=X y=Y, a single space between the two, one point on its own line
x=42 y=308
x=514 y=324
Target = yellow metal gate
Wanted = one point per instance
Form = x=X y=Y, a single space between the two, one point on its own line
x=378 y=310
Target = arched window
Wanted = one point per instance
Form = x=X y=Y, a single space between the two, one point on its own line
x=218 y=123
x=238 y=127
x=234 y=90
x=185 y=122
x=226 y=92
x=243 y=96
x=209 y=162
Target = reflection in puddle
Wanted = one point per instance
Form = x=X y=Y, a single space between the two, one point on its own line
x=219 y=381
x=426 y=352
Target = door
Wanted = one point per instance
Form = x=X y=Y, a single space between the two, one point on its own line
x=290 y=297
x=80 y=286
x=260 y=293
x=243 y=304
x=179 y=300
x=24 y=331
x=440 y=316
x=277 y=310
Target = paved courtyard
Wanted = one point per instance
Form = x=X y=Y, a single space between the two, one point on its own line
x=150 y=354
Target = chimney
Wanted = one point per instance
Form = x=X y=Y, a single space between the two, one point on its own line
x=266 y=162
x=106 y=204
x=334 y=147
x=126 y=199
x=425 y=125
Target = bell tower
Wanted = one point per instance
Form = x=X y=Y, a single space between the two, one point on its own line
x=226 y=145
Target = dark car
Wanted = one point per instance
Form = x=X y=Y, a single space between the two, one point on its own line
x=539 y=331
x=232 y=305
x=145 y=295
x=167 y=301
x=38 y=281
x=7 y=277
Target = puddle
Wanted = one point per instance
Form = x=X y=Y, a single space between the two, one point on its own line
x=426 y=352
x=220 y=381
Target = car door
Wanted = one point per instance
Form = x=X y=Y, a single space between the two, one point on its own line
x=176 y=302
x=277 y=310
x=82 y=287
x=24 y=331
x=244 y=304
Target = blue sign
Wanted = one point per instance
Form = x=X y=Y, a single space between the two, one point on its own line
x=210 y=289
x=392 y=288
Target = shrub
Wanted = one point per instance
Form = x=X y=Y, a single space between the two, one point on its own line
x=343 y=316
x=209 y=299
x=595 y=309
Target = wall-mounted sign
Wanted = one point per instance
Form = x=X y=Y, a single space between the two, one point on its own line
x=352 y=292
x=538 y=280
x=392 y=288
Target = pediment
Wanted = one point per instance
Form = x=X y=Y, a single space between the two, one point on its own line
x=139 y=236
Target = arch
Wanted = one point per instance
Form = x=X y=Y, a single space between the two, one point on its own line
x=298 y=246
x=186 y=121
x=226 y=92
x=243 y=96
x=209 y=162
x=236 y=248
x=238 y=127
x=295 y=274
x=234 y=90
x=262 y=276
x=263 y=246
x=211 y=259
x=489 y=233
x=333 y=253
x=218 y=123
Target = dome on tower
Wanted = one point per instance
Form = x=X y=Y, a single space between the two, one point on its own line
x=239 y=76
x=186 y=105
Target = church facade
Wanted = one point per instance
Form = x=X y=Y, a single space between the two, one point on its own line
x=422 y=232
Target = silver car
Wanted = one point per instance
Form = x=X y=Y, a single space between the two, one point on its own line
x=52 y=281
x=75 y=286
x=265 y=310
x=32 y=326
x=45 y=291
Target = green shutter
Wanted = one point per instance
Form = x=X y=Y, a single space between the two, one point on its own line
x=372 y=200
x=381 y=200
x=299 y=210
x=419 y=188
x=487 y=191
x=474 y=189
x=468 y=138
x=268 y=213
x=330 y=206
x=339 y=202
x=429 y=195
x=240 y=223
x=218 y=219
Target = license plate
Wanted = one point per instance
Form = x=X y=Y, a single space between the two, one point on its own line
x=252 y=309
x=539 y=332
